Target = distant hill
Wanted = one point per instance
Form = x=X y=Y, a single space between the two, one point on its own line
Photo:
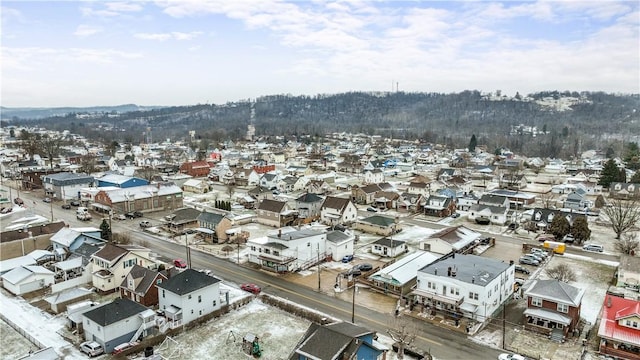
x=43 y=112
x=549 y=123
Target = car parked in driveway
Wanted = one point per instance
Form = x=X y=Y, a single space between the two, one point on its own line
x=120 y=217
x=569 y=239
x=252 y=288
x=66 y=206
x=372 y=209
x=455 y=215
x=347 y=258
x=47 y=199
x=75 y=203
x=522 y=269
x=145 y=224
x=364 y=267
x=528 y=261
x=91 y=348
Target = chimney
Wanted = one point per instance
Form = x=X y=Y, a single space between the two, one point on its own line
x=510 y=262
x=449 y=271
x=435 y=271
x=279 y=232
x=454 y=255
x=473 y=279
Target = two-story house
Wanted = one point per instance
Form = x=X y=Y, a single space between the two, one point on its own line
x=464 y=285
x=117 y=322
x=308 y=206
x=336 y=210
x=112 y=263
x=450 y=239
x=139 y=285
x=195 y=168
x=288 y=250
x=420 y=188
x=70 y=239
x=619 y=329
x=618 y=190
x=490 y=208
x=339 y=244
x=364 y=195
x=441 y=206
x=212 y=227
x=553 y=308
x=628 y=274
x=275 y=213
x=373 y=176
x=343 y=340
x=270 y=180
x=187 y=296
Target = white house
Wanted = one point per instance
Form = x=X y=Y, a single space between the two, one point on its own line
x=400 y=276
x=467 y=285
x=373 y=176
x=288 y=250
x=117 y=322
x=387 y=247
x=450 y=239
x=189 y=295
x=25 y=279
x=335 y=210
x=339 y=244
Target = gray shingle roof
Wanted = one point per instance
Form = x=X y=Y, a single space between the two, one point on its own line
x=118 y=309
x=469 y=268
x=187 y=282
x=557 y=291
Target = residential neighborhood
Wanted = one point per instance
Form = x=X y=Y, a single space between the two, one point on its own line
x=405 y=232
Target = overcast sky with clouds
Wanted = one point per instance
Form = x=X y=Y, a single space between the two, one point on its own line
x=184 y=52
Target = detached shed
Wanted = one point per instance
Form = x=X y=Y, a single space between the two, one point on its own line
x=26 y=279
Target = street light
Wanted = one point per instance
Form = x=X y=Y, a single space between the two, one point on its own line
x=353 y=301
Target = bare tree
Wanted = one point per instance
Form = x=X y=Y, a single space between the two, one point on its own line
x=628 y=244
x=230 y=190
x=50 y=146
x=548 y=200
x=146 y=173
x=89 y=163
x=402 y=334
x=122 y=238
x=561 y=272
x=623 y=215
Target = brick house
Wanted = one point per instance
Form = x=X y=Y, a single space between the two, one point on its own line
x=195 y=168
x=553 y=308
x=138 y=286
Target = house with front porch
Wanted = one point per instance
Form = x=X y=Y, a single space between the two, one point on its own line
x=464 y=286
x=308 y=206
x=618 y=190
x=336 y=210
x=275 y=213
x=388 y=247
x=364 y=195
x=577 y=201
x=619 y=330
x=112 y=263
x=270 y=180
x=628 y=274
x=440 y=206
x=399 y=277
x=553 y=308
x=117 y=322
x=373 y=176
x=196 y=186
x=187 y=296
x=288 y=250
x=409 y=203
x=458 y=239
x=420 y=188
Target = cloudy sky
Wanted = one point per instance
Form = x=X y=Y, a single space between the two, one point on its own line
x=68 y=53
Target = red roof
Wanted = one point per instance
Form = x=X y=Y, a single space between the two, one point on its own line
x=619 y=308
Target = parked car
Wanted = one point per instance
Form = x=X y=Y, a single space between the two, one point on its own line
x=47 y=199
x=252 y=288
x=145 y=224
x=546 y=237
x=179 y=263
x=347 y=258
x=528 y=261
x=138 y=214
x=6 y=210
x=18 y=201
x=522 y=269
x=66 y=206
x=372 y=209
x=568 y=239
x=353 y=272
x=511 y=357
x=542 y=252
x=593 y=247
x=119 y=217
x=122 y=347
x=91 y=348
x=364 y=267
x=75 y=203
x=536 y=256
x=455 y=215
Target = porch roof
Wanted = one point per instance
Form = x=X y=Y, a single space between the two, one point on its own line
x=548 y=315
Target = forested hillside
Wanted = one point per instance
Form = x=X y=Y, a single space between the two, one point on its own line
x=571 y=121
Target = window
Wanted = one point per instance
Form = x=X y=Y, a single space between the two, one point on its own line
x=192 y=311
x=253 y=248
x=276 y=253
x=159 y=281
x=431 y=285
x=200 y=312
x=563 y=308
x=496 y=289
x=628 y=323
x=489 y=293
x=162 y=293
x=214 y=303
x=267 y=251
x=535 y=301
x=189 y=297
x=473 y=295
x=199 y=298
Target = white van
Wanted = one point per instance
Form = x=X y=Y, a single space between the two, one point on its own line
x=82 y=210
x=593 y=247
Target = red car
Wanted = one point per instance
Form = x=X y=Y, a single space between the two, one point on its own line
x=179 y=263
x=252 y=288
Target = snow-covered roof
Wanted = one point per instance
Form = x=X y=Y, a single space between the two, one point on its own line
x=405 y=269
x=20 y=273
x=69 y=264
x=29 y=259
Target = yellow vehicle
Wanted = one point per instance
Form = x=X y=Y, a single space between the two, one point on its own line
x=557 y=247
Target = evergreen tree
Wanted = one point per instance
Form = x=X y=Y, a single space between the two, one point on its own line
x=580 y=230
x=610 y=153
x=105 y=230
x=635 y=178
x=610 y=174
x=559 y=226
x=473 y=143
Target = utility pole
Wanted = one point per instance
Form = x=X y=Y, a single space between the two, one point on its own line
x=51 y=208
x=353 y=302
x=318 y=267
x=504 y=331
